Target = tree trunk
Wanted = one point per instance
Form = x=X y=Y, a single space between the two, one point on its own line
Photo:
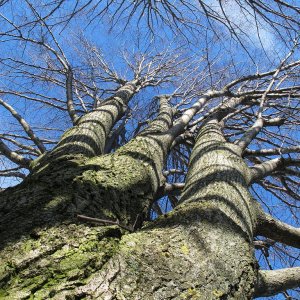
x=201 y=250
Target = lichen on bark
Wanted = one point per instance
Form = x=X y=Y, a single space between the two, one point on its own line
x=200 y=250
x=53 y=261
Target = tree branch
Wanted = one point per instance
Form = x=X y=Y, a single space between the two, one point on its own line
x=7 y=173
x=25 y=126
x=262 y=75
x=163 y=121
x=13 y=156
x=275 y=281
x=274 y=151
x=69 y=94
x=264 y=169
x=250 y=134
x=105 y=222
x=276 y=230
x=174 y=188
x=181 y=123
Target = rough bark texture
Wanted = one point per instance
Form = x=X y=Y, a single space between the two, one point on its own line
x=89 y=134
x=201 y=250
x=39 y=231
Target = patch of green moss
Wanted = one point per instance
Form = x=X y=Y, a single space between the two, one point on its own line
x=74 y=261
x=3 y=293
x=59 y=256
x=56 y=201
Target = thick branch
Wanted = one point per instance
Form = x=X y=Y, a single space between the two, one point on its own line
x=250 y=134
x=264 y=169
x=13 y=156
x=275 y=281
x=222 y=111
x=180 y=124
x=164 y=119
x=276 y=230
x=151 y=146
x=89 y=135
x=69 y=94
x=174 y=188
x=274 y=151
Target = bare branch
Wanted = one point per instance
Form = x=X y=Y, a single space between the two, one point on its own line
x=181 y=123
x=13 y=156
x=69 y=94
x=261 y=75
x=274 y=151
x=250 y=134
x=266 y=168
x=276 y=230
x=12 y=173
x=167 y=189
x=25 y=125
x=104 y=222
x=272 y=282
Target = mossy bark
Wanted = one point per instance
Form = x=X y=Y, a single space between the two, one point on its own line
x=201 y=250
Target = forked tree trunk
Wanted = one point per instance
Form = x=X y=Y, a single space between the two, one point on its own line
x=201 y=250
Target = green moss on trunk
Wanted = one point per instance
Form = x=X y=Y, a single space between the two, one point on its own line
x=201 y=250
x=55 y=260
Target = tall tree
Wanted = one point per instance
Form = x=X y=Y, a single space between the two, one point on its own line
x=145 y=199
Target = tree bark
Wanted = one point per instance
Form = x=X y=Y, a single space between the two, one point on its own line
x=201 y=250
x=88 y=136
x=272 y=282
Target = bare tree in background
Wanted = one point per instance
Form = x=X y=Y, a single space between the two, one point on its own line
x=157 y=131
x=182 y=15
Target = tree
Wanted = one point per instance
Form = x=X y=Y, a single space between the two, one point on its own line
x=212 y=144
